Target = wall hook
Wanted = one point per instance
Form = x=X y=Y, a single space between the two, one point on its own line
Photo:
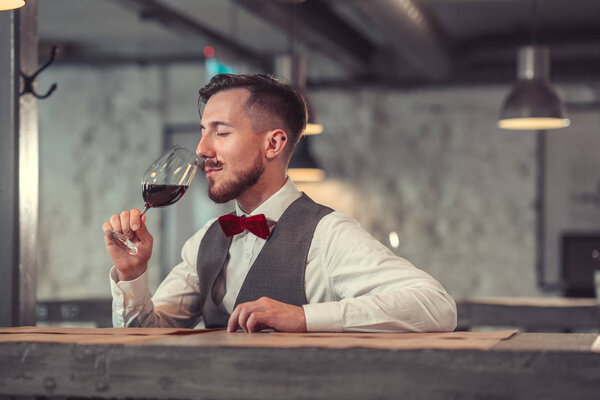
x=28 y=80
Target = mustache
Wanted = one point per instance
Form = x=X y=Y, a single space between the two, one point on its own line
x=211 y=164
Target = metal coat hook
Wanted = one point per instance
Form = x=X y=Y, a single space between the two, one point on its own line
x=28 y=80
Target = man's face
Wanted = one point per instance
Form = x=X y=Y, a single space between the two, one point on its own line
x=231 y=148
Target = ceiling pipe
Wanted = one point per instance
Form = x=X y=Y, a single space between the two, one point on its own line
x=412 y=37
x=319 y=28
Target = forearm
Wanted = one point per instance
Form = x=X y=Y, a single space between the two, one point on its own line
x=149 y=316
x=412 y=309
x=133 y=305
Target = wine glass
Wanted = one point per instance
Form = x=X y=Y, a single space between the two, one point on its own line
x=163 y=184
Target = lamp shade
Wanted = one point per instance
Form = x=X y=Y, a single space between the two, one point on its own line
x=313 y=126
x=11 y=4
x=303 y=167
x=533 y=104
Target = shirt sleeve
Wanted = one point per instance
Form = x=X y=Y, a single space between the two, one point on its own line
x=175 y=303
x=375 y=290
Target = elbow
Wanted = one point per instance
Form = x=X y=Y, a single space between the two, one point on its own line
x=447 y=317
x=441 y=310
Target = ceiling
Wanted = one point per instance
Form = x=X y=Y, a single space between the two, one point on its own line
x=346 y=42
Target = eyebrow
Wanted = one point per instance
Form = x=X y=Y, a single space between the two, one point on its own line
x=215 y=124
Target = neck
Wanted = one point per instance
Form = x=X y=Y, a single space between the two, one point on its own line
x=261 y=191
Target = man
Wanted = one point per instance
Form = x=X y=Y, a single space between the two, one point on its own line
x=303 y=267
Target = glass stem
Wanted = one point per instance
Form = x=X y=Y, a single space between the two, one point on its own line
x=146 y=208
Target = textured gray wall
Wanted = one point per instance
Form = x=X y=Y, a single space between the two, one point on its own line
x=98 y=133
x=429 y=165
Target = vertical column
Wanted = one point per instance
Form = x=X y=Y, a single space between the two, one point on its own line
x=9 y=187
x=28 y=167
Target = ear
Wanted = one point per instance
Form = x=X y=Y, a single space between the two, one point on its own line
x=276 y=141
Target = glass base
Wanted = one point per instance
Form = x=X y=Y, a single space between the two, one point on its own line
x=121 y=241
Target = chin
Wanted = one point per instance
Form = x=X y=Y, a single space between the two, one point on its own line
x=218 y=196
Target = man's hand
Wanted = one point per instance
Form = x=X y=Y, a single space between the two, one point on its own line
x=132 y=224
x=267 y=313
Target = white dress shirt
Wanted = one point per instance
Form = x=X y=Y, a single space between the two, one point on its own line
x=352 y=282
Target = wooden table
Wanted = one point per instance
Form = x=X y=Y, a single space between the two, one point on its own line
x=526 y=366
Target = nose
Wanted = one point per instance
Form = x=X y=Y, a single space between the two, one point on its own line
x=205 y=148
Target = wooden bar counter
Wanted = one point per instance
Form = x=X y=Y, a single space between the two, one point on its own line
x=272 y=365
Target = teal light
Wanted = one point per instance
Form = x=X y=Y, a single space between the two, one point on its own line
x=215 y=67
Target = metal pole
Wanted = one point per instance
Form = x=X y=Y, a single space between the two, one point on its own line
x=541 y=263
x=9 y=188
x=28 y=168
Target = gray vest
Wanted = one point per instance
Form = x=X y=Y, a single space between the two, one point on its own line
x=277 y=272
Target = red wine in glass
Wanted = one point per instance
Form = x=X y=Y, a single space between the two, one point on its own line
x=163 y=184
x=158 y=195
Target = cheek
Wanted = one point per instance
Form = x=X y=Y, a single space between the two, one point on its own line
x=240 y=157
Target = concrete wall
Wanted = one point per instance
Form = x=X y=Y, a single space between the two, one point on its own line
x=97 y=133
x=429 y=165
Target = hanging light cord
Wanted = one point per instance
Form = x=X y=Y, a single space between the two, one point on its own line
x=534 y=22
x=292 y=34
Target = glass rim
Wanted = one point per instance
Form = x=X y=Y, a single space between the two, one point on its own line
x=186 y=154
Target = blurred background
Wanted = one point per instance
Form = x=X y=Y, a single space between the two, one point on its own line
x=409 y=94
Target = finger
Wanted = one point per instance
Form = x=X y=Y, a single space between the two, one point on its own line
x=256 y=321
x=232 y=324
x=143 y=232
x=107 y=226
x=245 y=313
x=125 y=222
x=115 y=221
x=135 y=219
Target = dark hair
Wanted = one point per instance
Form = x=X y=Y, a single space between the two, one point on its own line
x=267 y=95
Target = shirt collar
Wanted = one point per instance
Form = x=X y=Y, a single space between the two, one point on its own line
x=274 y=207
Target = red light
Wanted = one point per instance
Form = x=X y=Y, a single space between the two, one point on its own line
x=209 y=51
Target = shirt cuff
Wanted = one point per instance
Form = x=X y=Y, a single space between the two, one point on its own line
x=323 y=317
x=129 y=294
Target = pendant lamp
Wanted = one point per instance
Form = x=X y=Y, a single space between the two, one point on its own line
x=292 y=67
x=11 y=4
x=533 y=104
x=303 y=166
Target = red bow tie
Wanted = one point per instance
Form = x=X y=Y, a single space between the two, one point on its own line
x=256 y=224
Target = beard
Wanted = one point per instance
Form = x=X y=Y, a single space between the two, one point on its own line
x=238 y=185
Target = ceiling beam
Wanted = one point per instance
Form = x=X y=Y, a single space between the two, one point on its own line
x=314 y=24
x=568 y=72
x=183 y=24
